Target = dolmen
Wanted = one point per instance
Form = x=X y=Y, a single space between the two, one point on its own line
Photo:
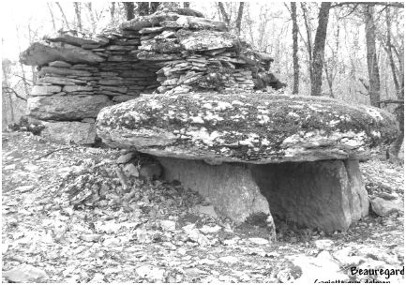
x=295 y=157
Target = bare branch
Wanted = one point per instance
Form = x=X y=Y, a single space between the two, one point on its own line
x=7 y=89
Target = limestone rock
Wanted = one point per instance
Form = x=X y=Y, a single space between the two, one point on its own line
x=384 y=207
x=66 y=107
x=206 y=40
x=63 y=71
x=40 y=53
x=39 y=90
x=69 y=39
x=67 y=132
x=230 y=187
x=25 y=273
x=245 y=127
x=318 y=194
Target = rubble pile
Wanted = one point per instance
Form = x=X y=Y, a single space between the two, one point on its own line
x=170 y=51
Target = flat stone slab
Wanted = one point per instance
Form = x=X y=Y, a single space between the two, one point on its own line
x=68 y=132
x=61 y=108
x=254 y=128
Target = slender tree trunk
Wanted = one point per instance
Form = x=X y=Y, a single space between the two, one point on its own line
x=224 y=14
x=143 y=8
x=63 y=15
x=154 y=7
x=295 y=31
x=92 y=19
x=318 y=50
x=389 y=51
x=52 y=15
x=77 y=7
x=309 y=42
x=372 y=61
x=129 y=10
x=239 y=18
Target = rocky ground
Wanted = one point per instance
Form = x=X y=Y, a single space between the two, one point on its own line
x=68 y=218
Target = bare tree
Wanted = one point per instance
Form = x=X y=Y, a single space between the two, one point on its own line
x=239 y=18
x=143 y=8
x=295 y=32
x=372 y=61
x=318 y=49
x=52 y=15
x=309 y=42
x=226 y=17
x=77 y=8
x=63 y=15
x=129 y=10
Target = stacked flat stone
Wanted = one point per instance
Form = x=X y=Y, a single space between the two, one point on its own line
x=170 y=51
x=195 y=53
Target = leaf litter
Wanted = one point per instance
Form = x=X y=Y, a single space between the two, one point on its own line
x=67 y=217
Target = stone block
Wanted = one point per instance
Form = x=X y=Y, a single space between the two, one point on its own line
x=67 y=132
x=230 y=187
x=329 y=195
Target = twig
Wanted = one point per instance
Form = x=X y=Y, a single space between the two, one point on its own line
x=53 y=151
x=11 y=90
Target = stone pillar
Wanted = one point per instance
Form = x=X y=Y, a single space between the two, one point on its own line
x=229 y=186
x=329 y=195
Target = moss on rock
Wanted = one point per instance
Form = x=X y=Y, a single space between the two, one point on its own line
x=257 y=128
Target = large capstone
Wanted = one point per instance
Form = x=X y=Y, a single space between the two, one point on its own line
x=293 y=156
x=254 y=128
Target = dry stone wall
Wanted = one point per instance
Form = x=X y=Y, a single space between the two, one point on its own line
x=170 y=51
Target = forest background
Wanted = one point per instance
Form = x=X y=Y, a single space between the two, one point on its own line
x=352 y=51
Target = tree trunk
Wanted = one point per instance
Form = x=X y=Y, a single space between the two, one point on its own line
x=92 y=20
x=295 y=31
x=224 y=14
x=239 y=18
x=143 y=8
x=372 y=61
x=52 y=15
x=309 y=43
x=63 y=15
x=129 y=10
x=154 y=7
x=318 y=49
x=76 y=5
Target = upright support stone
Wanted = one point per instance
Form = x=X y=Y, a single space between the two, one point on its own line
x=329 y=195
x=229 y=186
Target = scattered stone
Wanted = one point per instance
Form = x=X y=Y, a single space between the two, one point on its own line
x=151 y=273
x=384 y=207
x=168 y=225
x=131 y=170
x=318 y=269
x=206 y=210
x=125 y=158
x=259 y=241
x=324 y=244
x=90 y=237
x=194 y=235
x=210 y=230
x=229 y=259
x=25 y=273
x=23 y=189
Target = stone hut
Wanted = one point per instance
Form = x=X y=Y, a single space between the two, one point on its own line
x=171 y=51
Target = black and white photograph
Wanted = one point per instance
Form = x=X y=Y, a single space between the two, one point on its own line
x=202 y=142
